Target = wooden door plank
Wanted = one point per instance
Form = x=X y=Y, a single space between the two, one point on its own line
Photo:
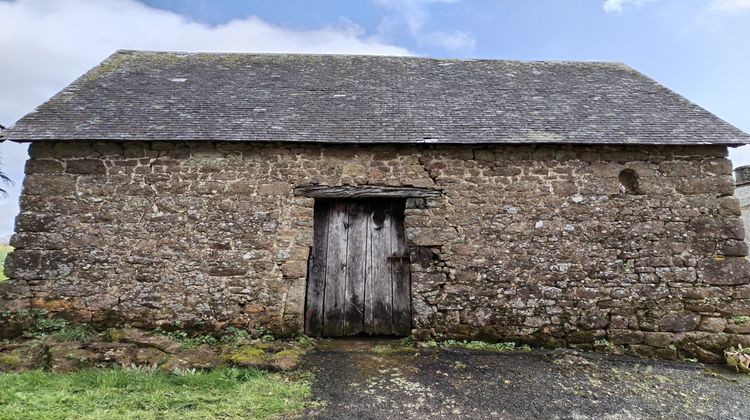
x=381 y=290
x=400 y=271
x=316 y=276
x=335 y=290
x=369 y=285
x=356 y=259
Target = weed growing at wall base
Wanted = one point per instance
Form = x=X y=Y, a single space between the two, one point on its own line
x=4 y=251
x=478 y=345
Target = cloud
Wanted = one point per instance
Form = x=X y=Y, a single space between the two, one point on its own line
x=412 y=16
x=617 y=6
x=730 y=6
x=46 y=44
x=454 y=41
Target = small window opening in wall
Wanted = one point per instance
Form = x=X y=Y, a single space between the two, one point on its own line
x=629 y=182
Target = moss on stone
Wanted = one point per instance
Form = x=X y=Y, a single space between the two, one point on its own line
x=286 y=359
x=293 y=353
x=247 y=356
x=113 y=335
x=10 y=360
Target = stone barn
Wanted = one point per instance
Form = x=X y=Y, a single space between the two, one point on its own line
x=553 y=203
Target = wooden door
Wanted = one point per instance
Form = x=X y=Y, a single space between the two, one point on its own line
x=358 y=273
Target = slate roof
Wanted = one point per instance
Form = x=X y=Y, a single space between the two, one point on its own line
x=138 y=95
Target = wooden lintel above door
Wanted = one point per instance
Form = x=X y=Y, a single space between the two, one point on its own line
x=364 y=191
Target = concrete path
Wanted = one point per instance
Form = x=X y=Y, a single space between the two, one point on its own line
x=368 y=379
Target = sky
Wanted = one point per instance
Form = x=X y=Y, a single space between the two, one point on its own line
x=698 y=48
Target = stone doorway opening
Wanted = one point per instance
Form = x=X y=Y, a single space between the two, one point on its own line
x=358 y=270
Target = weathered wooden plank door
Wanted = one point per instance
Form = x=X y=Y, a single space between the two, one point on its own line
x=358 y=273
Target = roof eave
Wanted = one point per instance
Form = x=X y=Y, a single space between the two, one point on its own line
x=727 y=143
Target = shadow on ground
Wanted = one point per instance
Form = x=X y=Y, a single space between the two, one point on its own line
x=369 y=379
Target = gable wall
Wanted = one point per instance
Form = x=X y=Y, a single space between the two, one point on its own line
x=527 y=243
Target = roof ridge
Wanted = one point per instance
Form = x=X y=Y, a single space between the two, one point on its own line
x=347 y=55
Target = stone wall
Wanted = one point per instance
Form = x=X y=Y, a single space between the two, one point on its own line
x=742 y=192
x=553 y=245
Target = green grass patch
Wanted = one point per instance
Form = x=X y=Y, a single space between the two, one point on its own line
x=136 y=394
x=4 y=251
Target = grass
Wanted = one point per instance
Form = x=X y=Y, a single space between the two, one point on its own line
x=74 y=332
x=738 y=358
x=230 y=335
x=138 y=394
x=4 y=250
x=478 y=345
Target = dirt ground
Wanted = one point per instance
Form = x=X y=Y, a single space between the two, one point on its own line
x=368 y=379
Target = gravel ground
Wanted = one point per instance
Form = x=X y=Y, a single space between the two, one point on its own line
x=370 y=379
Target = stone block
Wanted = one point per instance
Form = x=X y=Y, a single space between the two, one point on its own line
x=728 y=206
x=718 y=166
x=742 y=292
x=430 y=236
x=295 y=268
x=49 y=185
x=739 y=307
x=658 y=339
x=276 y=188
x=732 y=248
x=712 y=324
x=619 y=336
x=72 y=149
x=584 y=336
x=85 y=166
x=738 y=328
x=679 y=322
x=724 y=271
x=714 y=185
x=593 y=320
x=37 y=264
x=43 y=166
x=226 y=268
x=704 y=346
x=42 y=150
x=295 y=298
